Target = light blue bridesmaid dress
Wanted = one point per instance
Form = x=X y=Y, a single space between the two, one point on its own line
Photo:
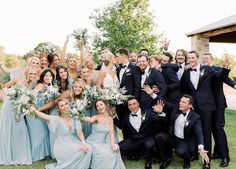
x=67 y=146
x=38 y=132
x=103 y=155
x=14 y=138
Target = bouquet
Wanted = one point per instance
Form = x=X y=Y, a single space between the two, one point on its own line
x=114 y=96
x=51 y=93
x=81 y=36
x=77 y=108
x=22 y=99
x=91 y=93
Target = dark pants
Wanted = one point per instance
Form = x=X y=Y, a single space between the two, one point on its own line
x=219 y=135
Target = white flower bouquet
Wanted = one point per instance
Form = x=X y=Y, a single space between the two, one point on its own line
x=77 y=108
x=81 y=37
x=22 y=99
x=91 y=93
x=51 y=93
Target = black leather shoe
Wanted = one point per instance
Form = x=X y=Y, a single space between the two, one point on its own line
x=164 y=164
x=206 y=166
x=224 y=162
x=215 y=156
x=186 y=164
x=148 y=164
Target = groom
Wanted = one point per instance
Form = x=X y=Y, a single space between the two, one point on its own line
x=129 y=77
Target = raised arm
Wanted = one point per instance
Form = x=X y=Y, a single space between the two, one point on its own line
x=4 y=68
x=82 y=55
x=100 y=79
x=49 y=105
x=40 y=114
x=90 y=119
x=63 y=52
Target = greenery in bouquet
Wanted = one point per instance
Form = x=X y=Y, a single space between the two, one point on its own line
x=81 y=37
x=51 y=93
x=114 y=96
x=91 y=93
x=77 y=109
x=22 y=99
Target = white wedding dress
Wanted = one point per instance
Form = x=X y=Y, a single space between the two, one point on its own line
x=110 y=82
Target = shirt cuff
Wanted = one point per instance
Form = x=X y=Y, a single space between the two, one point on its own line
x=200 y=147
x=153 y=95
x=162 y=114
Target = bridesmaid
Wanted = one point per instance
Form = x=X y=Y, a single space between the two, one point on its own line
x=105 y=152
x=37 y=128
x=14 y=138
x=70 y=149
x=77 y=95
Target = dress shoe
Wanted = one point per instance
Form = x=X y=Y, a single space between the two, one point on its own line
x=186 y=164
x=224 y=162
x=206 y=166
x=164 y=164
x=148 y=164
x=215 y=156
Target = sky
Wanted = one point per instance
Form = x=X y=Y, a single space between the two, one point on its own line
x=26 y=23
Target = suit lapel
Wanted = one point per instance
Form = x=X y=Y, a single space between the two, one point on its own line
x=148 y=75
x=124 y=75
x=201 y=76
x=189 y=79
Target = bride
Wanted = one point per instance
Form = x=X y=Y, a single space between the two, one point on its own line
x=107 y=77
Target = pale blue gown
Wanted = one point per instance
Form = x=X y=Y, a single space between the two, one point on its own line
x=38 y=132
x=14 y=138
x=103 y=156
x=67 y=146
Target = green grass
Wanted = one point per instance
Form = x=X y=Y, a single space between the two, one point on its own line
x=176 y=163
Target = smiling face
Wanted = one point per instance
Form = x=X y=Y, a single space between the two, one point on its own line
x=48 y=78
x=62 y=107
x=193 y=60
x=77 y=88
x=63 y=74
x=180 y=57
x=101 y=107
x=207 y=59
x=33 y=75
x=56 y=61
x=133 y=105
x=143 y=62
x=72 y=63
x=44 y=62
x=184 y=104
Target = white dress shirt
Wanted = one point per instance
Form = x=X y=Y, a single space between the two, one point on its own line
x=180 y=122
x=181 y=70
x=145 y=75
x=136 y=121
x=194 y=76
x=122 y=71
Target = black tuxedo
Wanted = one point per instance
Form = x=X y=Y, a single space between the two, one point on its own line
x=218 y=121
x=154 y=77
x=184 y=147
x=173 y=93
x=142 y=139
x=130 y=80
x=204 y=102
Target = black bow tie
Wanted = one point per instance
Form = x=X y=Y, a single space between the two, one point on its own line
x=191 y=69
x=134 y=115
x=180 y=66
x=123 y=66
x=184 y=114
x=142 y=72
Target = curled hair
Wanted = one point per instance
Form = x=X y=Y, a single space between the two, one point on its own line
x=58 y=78
x=184 y=53
x=51 y=57
x=73 y=96
x=101 y=100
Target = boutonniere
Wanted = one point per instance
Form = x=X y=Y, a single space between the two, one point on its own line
x=143 y=117
x=202 y=72
x=127 y=70
x=147 y=74
x=186 y=123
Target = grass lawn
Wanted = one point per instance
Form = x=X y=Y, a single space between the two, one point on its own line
x=176 y=163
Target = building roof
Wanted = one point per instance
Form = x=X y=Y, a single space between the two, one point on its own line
x=228 y=21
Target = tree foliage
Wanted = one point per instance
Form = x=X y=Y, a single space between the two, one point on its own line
x=127 y=24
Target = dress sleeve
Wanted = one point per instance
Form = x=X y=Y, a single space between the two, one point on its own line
x=53 y=123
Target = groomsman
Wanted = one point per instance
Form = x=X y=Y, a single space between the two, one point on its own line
x=197 y=82
x=150 y=78
x=139 y=123
x=181 y=59
x=221 y=149
x=186 y=128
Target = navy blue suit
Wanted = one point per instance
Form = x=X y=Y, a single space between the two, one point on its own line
x=184 y=148
x=154 y=78
x=204 y=101
x=218 y=121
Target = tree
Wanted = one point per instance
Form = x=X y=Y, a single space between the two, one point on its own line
x=126 y=24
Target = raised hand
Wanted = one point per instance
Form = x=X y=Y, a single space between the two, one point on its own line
x=226 y=62
x=166 y=44
x=159 y=106
x=147 y=89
